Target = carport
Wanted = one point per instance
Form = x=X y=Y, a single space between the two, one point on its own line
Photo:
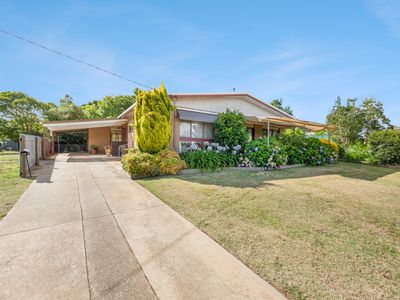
x=100 y=132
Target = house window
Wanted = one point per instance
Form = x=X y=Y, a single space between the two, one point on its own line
x=250 y=134
x=273 y=132
x=116 y=137
x=185 y=130
x=196 y=130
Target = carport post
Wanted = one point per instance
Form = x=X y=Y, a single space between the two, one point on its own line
x=268 y=135
x=52 y=144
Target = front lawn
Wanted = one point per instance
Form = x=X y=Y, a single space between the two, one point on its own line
x=11 y=185
x=325 y=232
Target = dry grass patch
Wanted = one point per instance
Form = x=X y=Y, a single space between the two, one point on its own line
x=314 y=233
x=11 y=185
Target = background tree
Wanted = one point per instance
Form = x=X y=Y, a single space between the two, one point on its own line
x=230 y=129
x=278 y=103
x=108 y=107
x=153 y=124
x=67 y=110
x=374 y=116
x=20 y=113
x=355 y=123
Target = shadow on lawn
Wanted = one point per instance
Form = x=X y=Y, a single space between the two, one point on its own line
x=244 y=178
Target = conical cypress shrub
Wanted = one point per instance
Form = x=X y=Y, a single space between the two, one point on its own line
x=153 y=123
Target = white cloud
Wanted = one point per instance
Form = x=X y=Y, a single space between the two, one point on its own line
x=388 y=11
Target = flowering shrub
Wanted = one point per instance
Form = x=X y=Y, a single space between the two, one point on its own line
x=165 y=162
x=291 y=148
x=139 y=163
x=333 y=145
x=258 y=153
x=170 y=162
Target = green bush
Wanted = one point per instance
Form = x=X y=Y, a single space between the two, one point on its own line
x=230 y=129
x=165 y=162
x=356 y=153
x=258 y=153
x=209 y=159
x=385 y=146
x=153 y=124
x=170 y=162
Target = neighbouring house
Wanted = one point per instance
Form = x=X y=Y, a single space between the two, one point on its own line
x=193 y=122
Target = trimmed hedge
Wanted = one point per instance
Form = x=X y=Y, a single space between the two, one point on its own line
x=384 y=146
x=166 y=162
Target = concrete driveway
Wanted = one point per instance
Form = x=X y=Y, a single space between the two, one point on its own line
x=84 y=230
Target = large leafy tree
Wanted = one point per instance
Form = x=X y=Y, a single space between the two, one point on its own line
x=278 y=103
x=20 y=113
x=153 y=122
x=355 y=123
x=374 y=116
x=66 y=110
x=108 y=107
x=230 y=128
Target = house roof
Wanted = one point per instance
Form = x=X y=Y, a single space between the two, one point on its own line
x=312 y=126
x=223 y=95
x=83 y=124
x=218 y=95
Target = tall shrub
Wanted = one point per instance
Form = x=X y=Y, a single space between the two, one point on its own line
x=230 y=128
x=385 y=146
x=153 y=124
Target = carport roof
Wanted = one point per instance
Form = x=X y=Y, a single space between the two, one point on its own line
x=82 y=124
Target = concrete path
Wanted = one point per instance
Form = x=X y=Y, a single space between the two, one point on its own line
x=84 y=230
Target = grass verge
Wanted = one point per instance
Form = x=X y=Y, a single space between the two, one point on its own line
x=314 y=233
x=11 y=185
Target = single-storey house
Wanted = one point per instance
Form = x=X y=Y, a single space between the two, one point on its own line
x=193 y=121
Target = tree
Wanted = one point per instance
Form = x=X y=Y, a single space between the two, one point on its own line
x=153 y=124
x=355 y=123
x=108 y=107
x=278 y=103
x=230 y=128
x=67 y=110
x=20 y=113
x=374 y=117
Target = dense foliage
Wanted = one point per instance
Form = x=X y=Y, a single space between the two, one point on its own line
x=291 y=148
x=357 y=152
x=66 y=110
x=212 y=158
x=278 y=103
x=20 y=113
x=153 y=124
x=230 y=128
x=165 y=162
x=108 y=107
x=385 y=146
x=355 y=123
x=258 y=153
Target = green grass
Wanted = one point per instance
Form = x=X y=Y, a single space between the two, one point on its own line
x=11 y=185
x=314 y=233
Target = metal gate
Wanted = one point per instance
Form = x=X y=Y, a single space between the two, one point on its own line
x=38 y=148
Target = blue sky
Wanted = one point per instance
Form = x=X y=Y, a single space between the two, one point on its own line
x=306 y=52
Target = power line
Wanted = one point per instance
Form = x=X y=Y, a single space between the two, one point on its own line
x=73 y=58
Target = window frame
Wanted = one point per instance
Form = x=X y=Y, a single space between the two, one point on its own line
x=196 y=139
